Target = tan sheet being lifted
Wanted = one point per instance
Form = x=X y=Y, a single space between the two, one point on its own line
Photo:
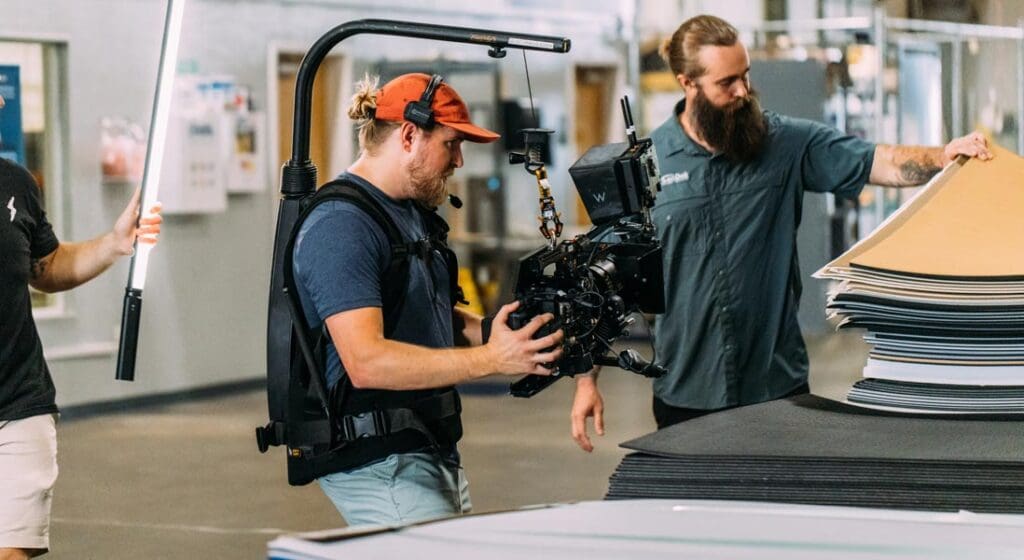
x=968 y=222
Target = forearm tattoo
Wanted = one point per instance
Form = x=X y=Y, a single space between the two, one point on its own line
x=918 y=172
x=38 y=267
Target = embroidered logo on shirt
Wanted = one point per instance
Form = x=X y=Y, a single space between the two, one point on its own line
x=672 y=178
x=10 y=206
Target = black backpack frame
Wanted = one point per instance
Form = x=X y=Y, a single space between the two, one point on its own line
x=311 y=422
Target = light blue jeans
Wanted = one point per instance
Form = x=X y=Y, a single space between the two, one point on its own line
x=400 y=489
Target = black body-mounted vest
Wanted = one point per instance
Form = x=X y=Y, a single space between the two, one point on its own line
x=329 y=430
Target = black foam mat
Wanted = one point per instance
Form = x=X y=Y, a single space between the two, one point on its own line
x=910 y=337
x=828 y=493
x=810 y=450
x=811 y=426
x=786 y=471
x=986 y=330
x=951 y=398
x=939 y=305
x=940 y=500
x=938 y=390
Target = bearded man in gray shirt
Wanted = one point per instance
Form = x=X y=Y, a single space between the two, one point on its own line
x=733 y=179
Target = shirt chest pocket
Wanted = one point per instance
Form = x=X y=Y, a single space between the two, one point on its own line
x=683 y=226
x=763 y=184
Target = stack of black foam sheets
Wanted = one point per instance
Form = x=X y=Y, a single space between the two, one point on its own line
x=810 y=450
x=939 y=288
x=979 y=399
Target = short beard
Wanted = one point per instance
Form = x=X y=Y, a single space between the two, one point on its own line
x=737 y=130
x=429 y=190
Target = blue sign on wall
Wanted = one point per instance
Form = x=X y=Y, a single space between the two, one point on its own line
x=12 y=140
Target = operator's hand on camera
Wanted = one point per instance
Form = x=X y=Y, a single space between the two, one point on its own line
x=587 y=403
x=515 y=352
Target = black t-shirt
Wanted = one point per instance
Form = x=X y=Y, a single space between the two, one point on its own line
x=26 y=388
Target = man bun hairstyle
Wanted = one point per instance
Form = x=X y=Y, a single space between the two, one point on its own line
x=681 y=49
x=372 y=131
x=364 y=102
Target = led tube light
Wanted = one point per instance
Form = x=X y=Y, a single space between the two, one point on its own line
x=132 y=310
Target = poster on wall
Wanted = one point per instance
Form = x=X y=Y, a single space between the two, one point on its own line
x=193 y=176
x=12 y=140
x=244 y=139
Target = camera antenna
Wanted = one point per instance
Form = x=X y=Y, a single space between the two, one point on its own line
x=627 y=116
x=529 y=89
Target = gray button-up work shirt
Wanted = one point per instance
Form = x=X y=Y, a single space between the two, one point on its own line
x=730 y=335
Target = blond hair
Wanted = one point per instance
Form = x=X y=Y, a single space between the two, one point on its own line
x=372 y=132
x=680 y=51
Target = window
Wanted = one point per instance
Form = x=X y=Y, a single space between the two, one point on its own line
x=32 y=128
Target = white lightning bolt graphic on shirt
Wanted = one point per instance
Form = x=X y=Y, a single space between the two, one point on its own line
x=10 y=206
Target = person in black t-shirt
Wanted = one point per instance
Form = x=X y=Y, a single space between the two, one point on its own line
x=30 y=254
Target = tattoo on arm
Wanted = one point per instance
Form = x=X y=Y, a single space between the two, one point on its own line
x=42 y=267
x=918 y=172
x=39 y=267
x=905 y=166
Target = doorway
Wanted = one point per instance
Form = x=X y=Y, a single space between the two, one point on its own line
x=594 y=88
x=331 y=146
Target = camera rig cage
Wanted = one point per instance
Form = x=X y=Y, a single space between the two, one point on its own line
x=593 y=283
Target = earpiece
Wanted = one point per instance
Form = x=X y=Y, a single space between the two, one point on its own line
x=420 y=112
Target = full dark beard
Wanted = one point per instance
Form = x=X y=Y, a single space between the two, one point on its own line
x=737 y=130
x=431 y=189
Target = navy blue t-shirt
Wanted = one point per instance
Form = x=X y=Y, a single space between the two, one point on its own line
x=340 y=258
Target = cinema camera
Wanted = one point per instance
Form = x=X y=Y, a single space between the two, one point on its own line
x=592 y=284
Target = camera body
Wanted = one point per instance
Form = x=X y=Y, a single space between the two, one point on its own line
x=591 y=287
x=592 y=284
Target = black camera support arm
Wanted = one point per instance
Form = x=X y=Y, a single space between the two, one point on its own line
x=298 y=177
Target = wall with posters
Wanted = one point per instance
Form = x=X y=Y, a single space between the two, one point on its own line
x=12 y=142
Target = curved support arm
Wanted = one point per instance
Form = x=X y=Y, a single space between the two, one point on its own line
x=299 y=176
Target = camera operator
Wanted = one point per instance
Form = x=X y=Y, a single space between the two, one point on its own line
x=32 y=255
x=341 y=260
x=733 y=178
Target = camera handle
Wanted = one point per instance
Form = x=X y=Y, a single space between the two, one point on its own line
x=534 y=142
x=631 y=360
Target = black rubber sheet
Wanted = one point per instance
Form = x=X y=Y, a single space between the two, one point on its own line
x=925 y=396
x=814 y=427
x=810 y=450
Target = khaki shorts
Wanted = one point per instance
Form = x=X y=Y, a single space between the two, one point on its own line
x=28 y=470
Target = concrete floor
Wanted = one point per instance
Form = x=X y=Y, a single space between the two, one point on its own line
x=186 y=481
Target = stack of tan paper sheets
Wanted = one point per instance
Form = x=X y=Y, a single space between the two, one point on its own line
x=940 y=289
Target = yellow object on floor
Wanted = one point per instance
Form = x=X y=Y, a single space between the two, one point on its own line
x=470 y=290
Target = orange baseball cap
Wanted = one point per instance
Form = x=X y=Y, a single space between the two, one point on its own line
x=449 y=109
